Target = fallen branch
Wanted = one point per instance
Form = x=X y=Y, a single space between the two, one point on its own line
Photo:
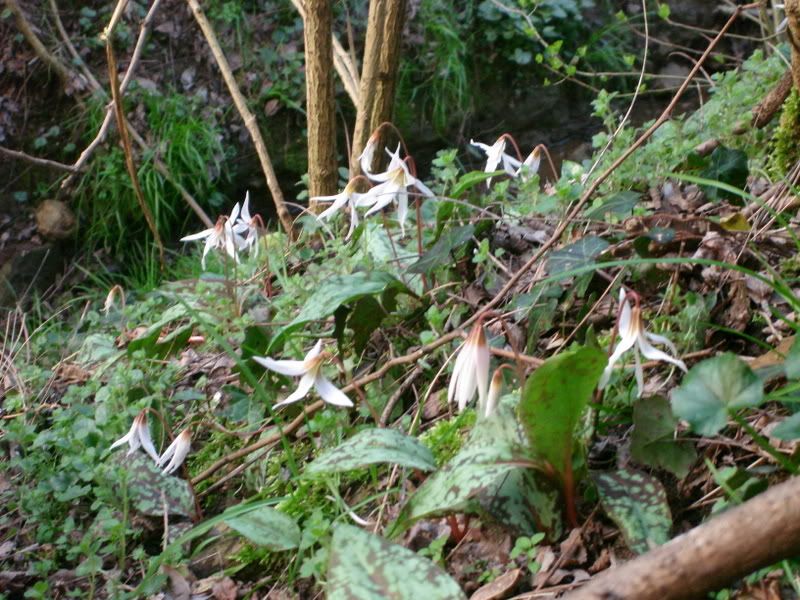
x=760 y=532
x=42 y=162
x=247 y=116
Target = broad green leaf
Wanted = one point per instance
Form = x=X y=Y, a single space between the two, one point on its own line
x=526 y=502
x=653 y=440
x=363 y=566
x=95 y=348
x=494 y=448
x=470 y=180
x=576 y=255
x=637 y=503
x=619 y=204
x=337 y=291
x=553 y=400
x=729 y=166
x=151 y=491
x=788 y=429
x=161 y=348
x=439 y=253
x=365 y=318
x=714 y=387
x=372 y=446
x=266 y=527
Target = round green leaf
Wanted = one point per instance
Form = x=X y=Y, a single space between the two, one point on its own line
x=267 y=527
x=714 y=387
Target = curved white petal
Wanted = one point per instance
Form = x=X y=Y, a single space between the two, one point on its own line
x=625 y=319
x=306 y=381
x=292 y=368
x=147 y=441
x=338 y=202
x=660 y=339
x=245 y=214
x=654 y=353
x=639 y=373
x=462 y=358
x=198 y=236
x=125 y=439
x=330 y=393
x=402 y=211
x=481 y=366
x=624 y=345
x=234 y=213
x=423 y=188
x=383 y=196
x=313 y=353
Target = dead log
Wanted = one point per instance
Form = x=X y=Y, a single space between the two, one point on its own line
x=760 y=532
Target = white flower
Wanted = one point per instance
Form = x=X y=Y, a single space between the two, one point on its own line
x=530 y=165
x=365 y=160
x=310 y=372
x=111 y=298
x=138 y=436
x=176 y=452
x=249 y=224
x=495 y=154
x=347 y=197
x=221 y=236
x=471 y=371
x=394 y=185
x=633 y=335
x=495 y=388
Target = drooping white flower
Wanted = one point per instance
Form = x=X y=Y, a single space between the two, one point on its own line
x=111 y=298
x=176 y=452
x=495 y=389
x=347 y=197
x=395 y=184
x=221 y=236
x=471 y=371
x=495 y=155
x=368 y=154
x=530 y=166
x=249 y=224
x=310 y=372
x=138 y=436
x=633 y=335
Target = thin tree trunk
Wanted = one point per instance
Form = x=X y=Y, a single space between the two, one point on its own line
x=792 y=9
x=320 y=100
x=379 y=71
x=247 y=116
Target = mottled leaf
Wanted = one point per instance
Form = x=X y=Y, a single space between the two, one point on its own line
x=576 y=255
x=492 y=450
x=365 y=318
x=471 y=179
x=726 y=165
x=372 y=446
x=553 y=400
x=714 y=387
x=363 y=566
x=439 y=253
x=637 y=503
x=150 y=490
x=526 y=502
x=653 y=440
x=267 y=527
x=792 y=363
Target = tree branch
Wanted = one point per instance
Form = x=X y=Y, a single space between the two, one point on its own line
x=713 y=555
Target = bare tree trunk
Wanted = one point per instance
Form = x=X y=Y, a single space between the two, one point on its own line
x=713 y=555
x=320 y=100
x=792 y=9
x=247 y=116
x=379 y=72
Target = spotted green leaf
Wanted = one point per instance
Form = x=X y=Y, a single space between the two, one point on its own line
x=267 y=527
x=714 y=387
x=653 y=440
x=553 y=399
x=363 y=566
x=492 y=450
x=151 y=491
x=372 y=446
x=637 y=503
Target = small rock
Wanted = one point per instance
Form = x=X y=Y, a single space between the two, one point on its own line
x=55 y=220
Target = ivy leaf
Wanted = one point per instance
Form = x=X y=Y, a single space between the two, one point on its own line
x=151 y=491
x=553 y=400
x=788 y=429
x=652 y=441
x=492 y=450
x=372 y=446
x=363 y=566
x=713 y=388
x=366 y=317
x=267 y=527
x=792 y=362
x=576 y=255
x=637 y=503
x=439 y=253
x=619 y=204
x=729 y=166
